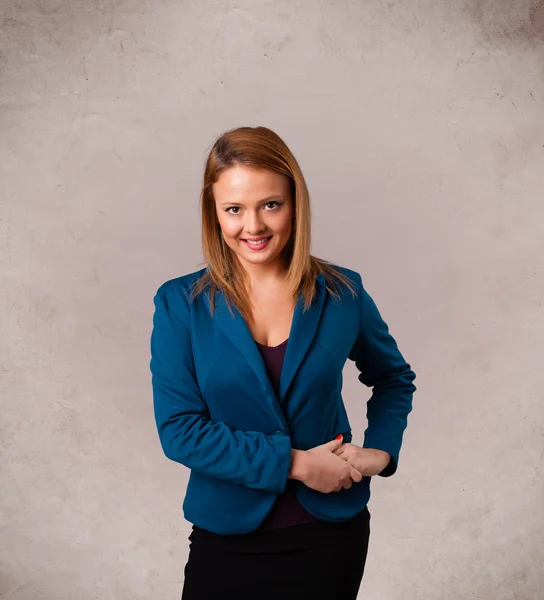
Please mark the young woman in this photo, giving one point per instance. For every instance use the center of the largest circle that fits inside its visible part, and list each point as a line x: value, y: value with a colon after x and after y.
x: 246, y: 360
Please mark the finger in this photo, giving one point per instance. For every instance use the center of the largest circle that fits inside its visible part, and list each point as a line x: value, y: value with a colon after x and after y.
x: 334, y: 444
x: 340, y: 451
x: 347, y: 484
x: 355, y: 474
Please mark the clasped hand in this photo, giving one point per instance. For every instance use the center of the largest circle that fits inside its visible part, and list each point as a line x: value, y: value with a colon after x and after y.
x: 334, y: 466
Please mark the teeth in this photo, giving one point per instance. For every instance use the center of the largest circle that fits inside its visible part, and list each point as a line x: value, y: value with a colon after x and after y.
x: 258, y: 242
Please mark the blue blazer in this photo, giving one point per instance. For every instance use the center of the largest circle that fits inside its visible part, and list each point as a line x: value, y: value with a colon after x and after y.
x: 217, y: 413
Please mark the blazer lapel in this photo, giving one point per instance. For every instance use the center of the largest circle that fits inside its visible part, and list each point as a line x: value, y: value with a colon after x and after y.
x: 237, y: 331
x: 303, y: 330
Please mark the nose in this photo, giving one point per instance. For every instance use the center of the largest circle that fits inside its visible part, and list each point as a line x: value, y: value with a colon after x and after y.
x: 253, y: 224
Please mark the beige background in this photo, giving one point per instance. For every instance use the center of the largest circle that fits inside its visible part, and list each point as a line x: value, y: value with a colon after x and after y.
x: 420, y: 128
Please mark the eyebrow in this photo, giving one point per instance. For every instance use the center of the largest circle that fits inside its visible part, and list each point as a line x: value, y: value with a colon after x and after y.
x: 263, y: 201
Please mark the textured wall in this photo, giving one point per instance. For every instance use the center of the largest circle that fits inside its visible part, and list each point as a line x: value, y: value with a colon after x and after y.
x: 420, y: 127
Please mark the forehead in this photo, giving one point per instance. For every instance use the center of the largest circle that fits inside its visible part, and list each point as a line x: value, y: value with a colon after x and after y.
x: 247, y: 184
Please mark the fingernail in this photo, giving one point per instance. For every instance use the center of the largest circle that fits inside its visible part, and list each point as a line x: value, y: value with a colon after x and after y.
x: 339, y: 436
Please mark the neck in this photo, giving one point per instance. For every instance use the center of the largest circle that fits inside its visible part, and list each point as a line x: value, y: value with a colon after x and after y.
x: 265, y: 274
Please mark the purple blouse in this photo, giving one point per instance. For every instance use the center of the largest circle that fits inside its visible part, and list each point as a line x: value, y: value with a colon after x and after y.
x: 287, y: 510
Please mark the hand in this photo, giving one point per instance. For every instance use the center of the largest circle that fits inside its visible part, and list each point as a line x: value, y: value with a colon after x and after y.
x: 368, y: 461
x: 321, y: 470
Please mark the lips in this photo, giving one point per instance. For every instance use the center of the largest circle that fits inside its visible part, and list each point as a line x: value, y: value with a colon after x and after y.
x: 261, y: 245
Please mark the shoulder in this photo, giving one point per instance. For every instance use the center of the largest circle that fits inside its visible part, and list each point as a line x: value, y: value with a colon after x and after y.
x: 350, y: 273
x: 335, y: 273
x: 182, y: 283
x: 175, y: 293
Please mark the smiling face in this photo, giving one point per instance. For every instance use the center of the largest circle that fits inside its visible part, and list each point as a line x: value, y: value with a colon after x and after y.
x: 252, y: 204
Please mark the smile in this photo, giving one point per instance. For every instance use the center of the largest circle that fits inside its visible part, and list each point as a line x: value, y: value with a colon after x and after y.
x: 258, y: 244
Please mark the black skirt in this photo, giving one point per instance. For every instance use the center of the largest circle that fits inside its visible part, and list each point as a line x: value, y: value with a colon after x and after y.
x: 320, y: 560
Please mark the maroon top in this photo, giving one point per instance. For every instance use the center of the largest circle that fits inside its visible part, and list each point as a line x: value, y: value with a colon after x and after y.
x: 287, y: 510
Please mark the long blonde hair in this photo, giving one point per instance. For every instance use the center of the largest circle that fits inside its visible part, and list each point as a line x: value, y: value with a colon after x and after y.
x: 259, y: 148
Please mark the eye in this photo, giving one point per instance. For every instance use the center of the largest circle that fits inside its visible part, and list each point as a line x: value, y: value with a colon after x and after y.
x: 274, y: 202
x: 231, y: 208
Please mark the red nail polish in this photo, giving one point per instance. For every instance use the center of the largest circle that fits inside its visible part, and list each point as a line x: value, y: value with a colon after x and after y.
x: 339, y: 436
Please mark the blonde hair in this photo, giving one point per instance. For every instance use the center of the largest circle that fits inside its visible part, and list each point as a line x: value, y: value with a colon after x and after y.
x: 259, y: 148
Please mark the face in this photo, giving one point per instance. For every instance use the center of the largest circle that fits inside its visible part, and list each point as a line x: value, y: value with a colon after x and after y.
x: 253, y: 204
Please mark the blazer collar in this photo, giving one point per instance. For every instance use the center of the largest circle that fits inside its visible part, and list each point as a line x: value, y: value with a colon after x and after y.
x: 303, y: 330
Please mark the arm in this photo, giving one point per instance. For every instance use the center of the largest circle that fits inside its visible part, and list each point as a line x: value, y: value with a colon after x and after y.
x: 187, y: 434
x: 383, y: 368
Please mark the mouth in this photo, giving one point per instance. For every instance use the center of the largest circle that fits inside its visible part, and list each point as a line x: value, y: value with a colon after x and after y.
x: 257, y: 243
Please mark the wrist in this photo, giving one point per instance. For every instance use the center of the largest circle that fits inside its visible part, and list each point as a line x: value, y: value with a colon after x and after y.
x: 298, y: 465
x: 382, y: 454
x: 382, y: 457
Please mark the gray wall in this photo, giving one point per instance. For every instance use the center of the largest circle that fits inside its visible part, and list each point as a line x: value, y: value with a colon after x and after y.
x: 420, y: 128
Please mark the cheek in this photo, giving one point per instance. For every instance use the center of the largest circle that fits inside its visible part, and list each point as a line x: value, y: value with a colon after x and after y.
x: 228, y: 226
x: 287, y: 219
x: 284, y: 225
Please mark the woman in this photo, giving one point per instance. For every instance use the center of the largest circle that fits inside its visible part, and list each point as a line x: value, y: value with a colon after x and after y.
x: 246, y: 359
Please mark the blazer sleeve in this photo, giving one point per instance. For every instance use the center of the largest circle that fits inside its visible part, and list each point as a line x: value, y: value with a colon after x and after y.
x: 187, y: 434
x: 383, y: 368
